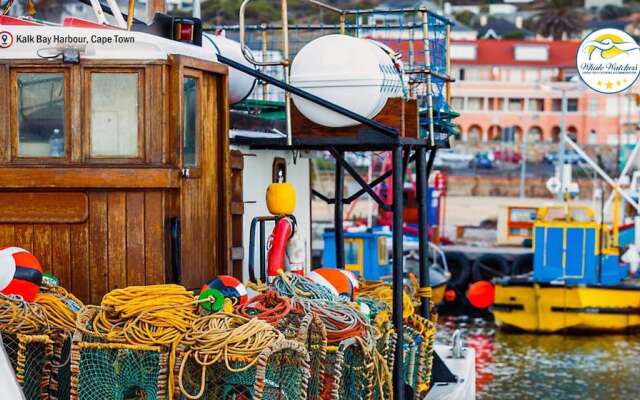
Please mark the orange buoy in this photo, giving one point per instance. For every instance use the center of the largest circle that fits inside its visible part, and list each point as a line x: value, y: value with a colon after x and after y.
x: 481, y: 294
x: 20, y: 273
x: 450, y: 295
x: 340, y: 282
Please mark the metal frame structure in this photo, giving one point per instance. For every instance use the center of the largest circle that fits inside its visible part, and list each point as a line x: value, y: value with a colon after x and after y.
x: 403, y: 150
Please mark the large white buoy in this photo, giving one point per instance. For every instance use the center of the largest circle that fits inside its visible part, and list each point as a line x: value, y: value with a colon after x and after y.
x: 357, y: 74
x: 240, y: 84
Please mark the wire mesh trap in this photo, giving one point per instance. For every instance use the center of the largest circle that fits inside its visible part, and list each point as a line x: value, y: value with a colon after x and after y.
x: 280, y: 373
x: 30, y: 357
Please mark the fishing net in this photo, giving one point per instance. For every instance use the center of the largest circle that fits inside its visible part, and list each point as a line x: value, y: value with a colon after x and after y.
x: 60, y: 385
x: 411, y: 356
x: 280, y: 373
x: 108, y: 370
x: 349, y: 371
x: 426, y: 329
x: 30, y: 357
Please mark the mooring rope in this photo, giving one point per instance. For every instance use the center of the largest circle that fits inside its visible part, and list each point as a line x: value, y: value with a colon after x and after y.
x: 290, y: 285
x: 19, y: 316
x: 226, y: 337
x: 340, y: 319
x: 268, y: 307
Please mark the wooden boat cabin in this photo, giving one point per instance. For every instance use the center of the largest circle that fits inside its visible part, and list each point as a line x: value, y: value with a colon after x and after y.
x: 113, y: 156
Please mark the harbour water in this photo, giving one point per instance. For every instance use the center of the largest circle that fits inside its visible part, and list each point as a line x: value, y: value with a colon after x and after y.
x: 525, y: 366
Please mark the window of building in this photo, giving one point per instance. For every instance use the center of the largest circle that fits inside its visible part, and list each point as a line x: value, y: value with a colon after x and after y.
x: 40, y: 108
x: 572, y: 105
x: 593, y: 104
x: 115, y: 119
x: 535, y: 105
x: 475, y: 104
x: 457, y: 103
x: 190, y: 121
x: 515, y: 104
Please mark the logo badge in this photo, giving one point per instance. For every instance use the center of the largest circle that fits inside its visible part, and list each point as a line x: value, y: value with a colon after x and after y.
x: 608, y: 60
x: 6, y: 39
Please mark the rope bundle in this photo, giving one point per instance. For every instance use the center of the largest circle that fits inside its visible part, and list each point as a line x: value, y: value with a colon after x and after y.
x: 290, y: 285
x: 383, y: 292
x: 268, y: 307
x: 22, y: 317
x: 54, y: 302
x: 226, y: 337
x: 340, y: 319
x: 149, y: 315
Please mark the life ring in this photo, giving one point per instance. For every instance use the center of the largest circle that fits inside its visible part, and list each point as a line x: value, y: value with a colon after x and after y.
x: 277, y: 246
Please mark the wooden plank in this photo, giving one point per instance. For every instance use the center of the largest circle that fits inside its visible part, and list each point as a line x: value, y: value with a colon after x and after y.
x: 154, y: 131
x: 154, y: 235
x: 5, y: 130
x: 23, y: 236
x: 411, y: 118
x: 6, y: 235
x: 135, y: 239
x: 65, y: 207
x: 237, y: 208
x: 80, y: 271
x: 61, y: 253
x: 392, y: 115
x: 98, y: 178
x: 98, y: 239
x: 117, y: 239
x: 42, y: 246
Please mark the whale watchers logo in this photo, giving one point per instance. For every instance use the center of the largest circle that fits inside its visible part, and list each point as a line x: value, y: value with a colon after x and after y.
x: 608, y: 60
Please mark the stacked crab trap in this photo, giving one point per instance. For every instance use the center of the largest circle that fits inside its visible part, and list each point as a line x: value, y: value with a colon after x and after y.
x: 292, y: 339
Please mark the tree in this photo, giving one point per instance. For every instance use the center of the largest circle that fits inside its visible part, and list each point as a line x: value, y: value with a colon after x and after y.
x: 557, y: 18
x: 466, y: 17
x: 610, y: 12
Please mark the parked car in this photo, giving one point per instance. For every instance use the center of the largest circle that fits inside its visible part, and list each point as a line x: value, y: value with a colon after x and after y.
x: 571, y: 156
x: 507, y: 155
x: 481, y: 160
x: 451, y: 158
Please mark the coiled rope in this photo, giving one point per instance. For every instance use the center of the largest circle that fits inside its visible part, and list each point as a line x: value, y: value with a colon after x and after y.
x: 144, y: 315
x: 340, y: 319
x: 60, y: 307
x: 18, y: 316
x: 383, y: 292
x: 290, y: 285
x: 268, y: 307
x: 226, y: 337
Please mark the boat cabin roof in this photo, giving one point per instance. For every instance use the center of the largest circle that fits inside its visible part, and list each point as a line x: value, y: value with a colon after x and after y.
x: 28, y: 39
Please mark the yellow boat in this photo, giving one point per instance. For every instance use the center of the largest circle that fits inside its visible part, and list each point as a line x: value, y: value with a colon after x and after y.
x: 578, y: 281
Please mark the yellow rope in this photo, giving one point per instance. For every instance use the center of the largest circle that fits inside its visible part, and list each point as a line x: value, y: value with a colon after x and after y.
x: 383, y: 292
x: 228, y: 337
x: 21, y: 317
x: 59, y: 315
x: 146, y: 315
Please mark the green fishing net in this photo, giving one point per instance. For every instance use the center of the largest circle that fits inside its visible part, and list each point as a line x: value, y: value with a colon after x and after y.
x: 120, y: 373
x: 33, y: 376
x: 60, y: 385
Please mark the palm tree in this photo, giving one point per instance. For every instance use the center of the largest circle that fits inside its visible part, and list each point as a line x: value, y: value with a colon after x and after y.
x: 558, y: 18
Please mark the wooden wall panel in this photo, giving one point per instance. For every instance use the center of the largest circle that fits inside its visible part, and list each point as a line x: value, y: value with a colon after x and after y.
x: 21, y: 207
x: 61, y: 254
x: 154, y: 238
x: 23, y: 236
x: 79, y: 249
x: 98, y: 240
x: 6, y: 235
x: 117, y: 240
x: 135, y: 239
x: 42, y: 244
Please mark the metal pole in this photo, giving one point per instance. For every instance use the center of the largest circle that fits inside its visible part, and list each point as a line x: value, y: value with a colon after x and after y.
x: 523, y: 163
x: 427, y: 65
x: 338, y: 216
x: 287, y: 63
x: 263, y: 247
x: 422, y: 185
x: 563, y: 137
x: 398, y: 322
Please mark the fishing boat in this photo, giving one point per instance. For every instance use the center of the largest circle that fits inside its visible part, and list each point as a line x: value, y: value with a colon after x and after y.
x: 128, y: 181
x: 580, y: 279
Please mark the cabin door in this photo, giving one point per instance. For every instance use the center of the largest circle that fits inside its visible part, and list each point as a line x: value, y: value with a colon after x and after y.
x: 199, y: 201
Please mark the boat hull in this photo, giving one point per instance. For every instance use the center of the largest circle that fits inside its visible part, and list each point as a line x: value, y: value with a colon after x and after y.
x: 551, y: 308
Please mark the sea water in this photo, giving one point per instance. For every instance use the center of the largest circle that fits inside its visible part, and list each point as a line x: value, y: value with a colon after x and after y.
x: 559, y: 367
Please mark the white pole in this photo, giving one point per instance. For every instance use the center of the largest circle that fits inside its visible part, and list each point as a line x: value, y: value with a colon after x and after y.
x: 602, y: 174
x: 627, y: 168
x: 117, y: 14
x: 563, y: 139
x: 197, y: 10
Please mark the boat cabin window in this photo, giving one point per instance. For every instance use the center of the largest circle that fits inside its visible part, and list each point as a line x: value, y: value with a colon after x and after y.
x: 40, y: 105
x: 115, y: 114
x: 190, y: 122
